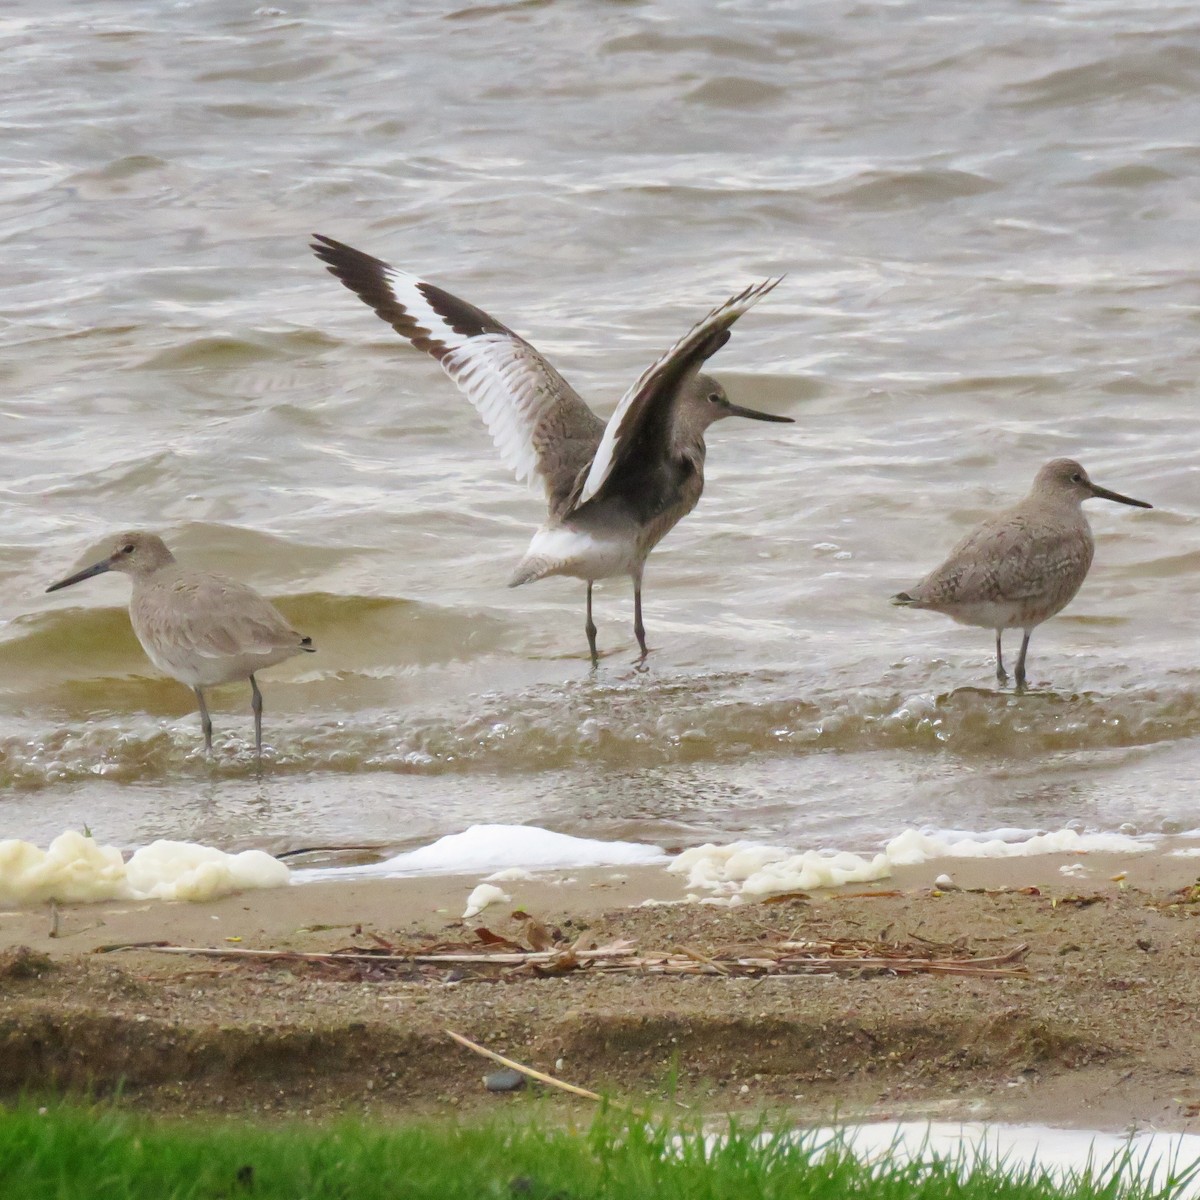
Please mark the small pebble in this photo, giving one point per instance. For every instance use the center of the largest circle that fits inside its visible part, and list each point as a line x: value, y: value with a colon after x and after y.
x: 504, y: 1080
x: 945, y: 883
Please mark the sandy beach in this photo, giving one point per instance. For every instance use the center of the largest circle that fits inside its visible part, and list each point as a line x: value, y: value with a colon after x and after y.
x: 1094, y: 1027
x: 985, y: 221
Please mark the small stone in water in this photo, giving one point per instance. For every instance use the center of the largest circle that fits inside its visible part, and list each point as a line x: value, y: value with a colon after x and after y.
x: 505, y: 1080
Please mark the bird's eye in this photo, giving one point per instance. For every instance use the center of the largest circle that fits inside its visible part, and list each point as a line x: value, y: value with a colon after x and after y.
x: 716, y: 398
x: 1077, y: 478
x: 127, y: 549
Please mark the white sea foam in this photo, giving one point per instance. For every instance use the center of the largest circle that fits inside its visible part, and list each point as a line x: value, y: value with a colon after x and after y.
x: 510, y: 875
x: 750, y: 869
x: 481, y: 897
x: 746, y: 868
x: 498, y: 848
x: 77, y: 869
x: 185, y: 871
x: 912, y: 847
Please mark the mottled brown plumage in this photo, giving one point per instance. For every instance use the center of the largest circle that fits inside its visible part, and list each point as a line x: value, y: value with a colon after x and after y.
x: 1024, y: 565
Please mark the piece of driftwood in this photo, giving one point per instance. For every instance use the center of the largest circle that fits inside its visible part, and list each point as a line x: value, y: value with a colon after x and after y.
x: 775, y: 955
x: 532, y: 1072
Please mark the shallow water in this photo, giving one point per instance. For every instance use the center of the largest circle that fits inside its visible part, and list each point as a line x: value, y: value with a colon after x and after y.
x: 1146, y: 1160
x: 986, y: 216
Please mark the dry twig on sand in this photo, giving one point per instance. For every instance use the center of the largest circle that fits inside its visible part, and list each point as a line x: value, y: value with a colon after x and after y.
x: 493, y: 957
x: 532, y: 1072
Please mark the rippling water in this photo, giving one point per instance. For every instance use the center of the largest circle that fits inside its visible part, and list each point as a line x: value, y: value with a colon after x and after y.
x: 987, y: 217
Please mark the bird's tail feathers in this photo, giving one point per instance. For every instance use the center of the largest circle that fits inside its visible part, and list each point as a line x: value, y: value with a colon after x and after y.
x: 531, y: 568
x: 904, y: 600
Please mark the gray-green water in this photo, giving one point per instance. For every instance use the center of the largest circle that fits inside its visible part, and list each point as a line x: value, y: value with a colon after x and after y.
x: 987, y: 214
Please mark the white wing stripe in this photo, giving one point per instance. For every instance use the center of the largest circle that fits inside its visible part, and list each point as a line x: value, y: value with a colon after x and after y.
x: 541, y: 427
x: 500, y: 376
x: 406, y: 290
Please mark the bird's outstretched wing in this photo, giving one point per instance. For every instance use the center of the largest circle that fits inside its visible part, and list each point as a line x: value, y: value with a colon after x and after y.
x: 540, y: 425
x: 652, y: 394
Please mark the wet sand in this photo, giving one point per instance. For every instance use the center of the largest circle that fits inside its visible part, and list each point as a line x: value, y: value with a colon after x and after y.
x: 1100, y: 1032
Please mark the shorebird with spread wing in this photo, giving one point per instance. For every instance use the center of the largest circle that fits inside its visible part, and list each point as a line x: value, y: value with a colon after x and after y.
x: 613, y: 490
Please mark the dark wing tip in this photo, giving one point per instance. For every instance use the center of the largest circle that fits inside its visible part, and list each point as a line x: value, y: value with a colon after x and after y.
x: 371, y: 280
x: 306, y: 644
x: 342, y: 259
x: 463, y: 317
x: 368, y: 278
x: 326, y: 248
x: 756, y: 291
x: 902, y: 598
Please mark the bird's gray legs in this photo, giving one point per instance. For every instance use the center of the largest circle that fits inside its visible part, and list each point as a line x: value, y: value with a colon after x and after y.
x: 639, y: 630
x: 256, y: 704
x: 1020, y: 676
x: 1001, y: 673
x: 205, y: 721
x: 591, y: 629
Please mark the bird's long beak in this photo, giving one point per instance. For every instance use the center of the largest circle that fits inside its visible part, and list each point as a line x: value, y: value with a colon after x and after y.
x: 1104, y: 494
x: 105, y: 564
x: 736, y: 410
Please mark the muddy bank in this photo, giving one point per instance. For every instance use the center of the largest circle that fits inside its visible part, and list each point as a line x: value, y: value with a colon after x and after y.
x: 1098, y: 1027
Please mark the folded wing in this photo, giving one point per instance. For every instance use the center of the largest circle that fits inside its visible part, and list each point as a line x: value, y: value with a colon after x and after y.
x: 1011, y: 559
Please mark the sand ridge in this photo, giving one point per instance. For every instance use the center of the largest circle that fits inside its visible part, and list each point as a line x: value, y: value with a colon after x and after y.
x: 1100, y: 1030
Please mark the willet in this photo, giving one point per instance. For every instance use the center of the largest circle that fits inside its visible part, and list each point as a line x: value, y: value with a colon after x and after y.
x: 1023, y: 566
x: 613, y: 490
x: 201, y: 629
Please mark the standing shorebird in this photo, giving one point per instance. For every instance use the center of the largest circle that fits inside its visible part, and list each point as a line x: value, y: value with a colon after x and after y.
x: 1023, y: 566
x: 613, y: 490
x: 201, y: 629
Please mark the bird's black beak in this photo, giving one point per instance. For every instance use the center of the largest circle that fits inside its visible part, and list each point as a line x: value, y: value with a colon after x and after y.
x: 736, y: 410
x: 105, y: 564
x: 1104, y: 494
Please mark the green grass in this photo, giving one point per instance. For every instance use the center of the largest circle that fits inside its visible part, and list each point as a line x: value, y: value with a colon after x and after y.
x: 64, y: 1153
